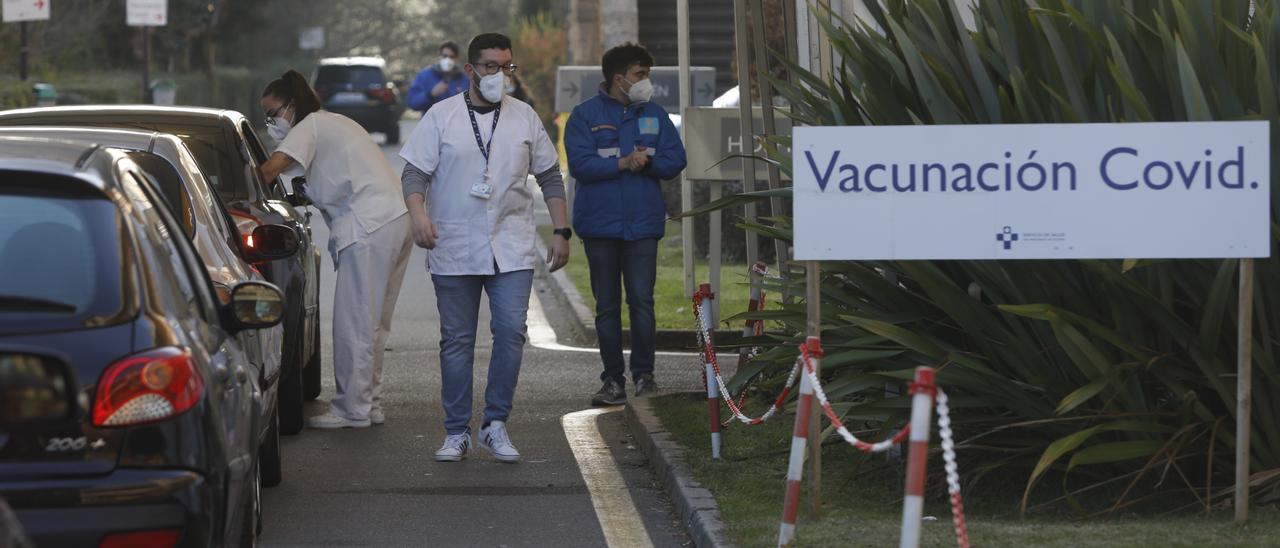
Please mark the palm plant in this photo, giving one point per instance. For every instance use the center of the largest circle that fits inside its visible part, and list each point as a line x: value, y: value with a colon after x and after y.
x: 1114, y: 373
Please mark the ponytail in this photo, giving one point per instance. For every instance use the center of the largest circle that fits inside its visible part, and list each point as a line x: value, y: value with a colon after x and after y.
x: 292, y: 88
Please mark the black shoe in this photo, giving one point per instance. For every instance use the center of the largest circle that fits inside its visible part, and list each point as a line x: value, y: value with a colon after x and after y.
x: 611, y: 393
x: 645, y: 385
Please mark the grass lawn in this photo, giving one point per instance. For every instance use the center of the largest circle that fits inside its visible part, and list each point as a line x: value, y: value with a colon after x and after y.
x: 864, y: 509
x: 672, y: 307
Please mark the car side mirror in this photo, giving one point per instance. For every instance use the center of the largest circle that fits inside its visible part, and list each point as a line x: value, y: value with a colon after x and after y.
x: 299, y: 196
x: 254, y: 305
x: 33, y: 389
x: 270, y: 243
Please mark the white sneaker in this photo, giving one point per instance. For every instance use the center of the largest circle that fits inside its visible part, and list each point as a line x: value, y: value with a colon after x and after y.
x: 331, y: 421
x: 454, y: 449
x: 494, y: 438
x: 377, y: 417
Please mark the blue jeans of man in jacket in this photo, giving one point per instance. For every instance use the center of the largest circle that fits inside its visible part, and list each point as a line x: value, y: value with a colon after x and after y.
x: 615, y: 264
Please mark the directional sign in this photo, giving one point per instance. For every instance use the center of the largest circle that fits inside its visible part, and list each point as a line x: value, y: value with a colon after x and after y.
x: 575, y: 84
x: 147, y: 13
x: 311, y: 38
x: 26, y: 10
x: 713, y: 134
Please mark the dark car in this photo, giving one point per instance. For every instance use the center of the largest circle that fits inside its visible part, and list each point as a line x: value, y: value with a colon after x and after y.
x: 357, y: 87
x: 227, y: 258
x: 229, y: 152
x: 141, y: 413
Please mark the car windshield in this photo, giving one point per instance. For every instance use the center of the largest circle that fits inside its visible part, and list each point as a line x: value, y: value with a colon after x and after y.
x: 360, y: 77
x: 60, y: 256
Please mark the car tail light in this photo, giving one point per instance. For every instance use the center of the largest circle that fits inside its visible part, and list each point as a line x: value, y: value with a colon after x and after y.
x: 165, y: 538
x: 383, y: 94
x: 245, y: 223
x: 152, y: 386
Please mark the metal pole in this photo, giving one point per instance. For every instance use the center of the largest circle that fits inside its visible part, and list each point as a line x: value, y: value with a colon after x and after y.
x: 813, y: 304
x: 146, y: 65
x: 770, y: 128
x: 714, y: 246
x: 742, y: 43
x: 24, y: 49
x: 1244, y: 390
x: 686, y: 190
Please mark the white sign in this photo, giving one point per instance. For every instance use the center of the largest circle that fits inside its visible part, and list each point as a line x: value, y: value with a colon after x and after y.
x: 147, y: 13
x: 25, y: 10
x: 311, y: 38
x: 1033, y: 191
x: 713, y: 140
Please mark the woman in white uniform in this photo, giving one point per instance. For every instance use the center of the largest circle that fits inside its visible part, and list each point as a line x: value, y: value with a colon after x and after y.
x: 359, y: 195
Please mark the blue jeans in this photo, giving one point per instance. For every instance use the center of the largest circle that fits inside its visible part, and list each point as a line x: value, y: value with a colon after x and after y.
x: 614, y: 264
x: 458, y: 302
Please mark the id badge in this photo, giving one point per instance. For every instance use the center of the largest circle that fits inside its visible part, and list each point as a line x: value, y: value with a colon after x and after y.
x: 482, y: 191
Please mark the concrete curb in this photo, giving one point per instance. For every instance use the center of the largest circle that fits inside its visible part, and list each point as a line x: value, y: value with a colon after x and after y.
x: 694, y: 504
x: 582, y: 321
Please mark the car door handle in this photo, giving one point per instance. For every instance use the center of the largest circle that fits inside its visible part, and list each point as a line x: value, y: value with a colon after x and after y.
x: 242, y: 376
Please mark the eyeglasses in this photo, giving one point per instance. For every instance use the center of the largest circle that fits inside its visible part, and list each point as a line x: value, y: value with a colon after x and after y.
x: 492, y: 67
x: 271, y: 114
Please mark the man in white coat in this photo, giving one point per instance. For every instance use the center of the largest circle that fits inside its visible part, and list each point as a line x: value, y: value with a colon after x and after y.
x: 467, y: 188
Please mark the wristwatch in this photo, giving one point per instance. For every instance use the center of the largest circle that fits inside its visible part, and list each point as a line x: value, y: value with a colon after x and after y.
x: 566, y: 232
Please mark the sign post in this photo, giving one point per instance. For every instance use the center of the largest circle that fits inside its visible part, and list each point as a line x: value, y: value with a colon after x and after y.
x: 146, y: 14
x: 21, y: 11
x: 1244, y: 390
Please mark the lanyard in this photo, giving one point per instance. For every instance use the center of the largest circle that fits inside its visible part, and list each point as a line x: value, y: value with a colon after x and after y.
x: 484, y: 147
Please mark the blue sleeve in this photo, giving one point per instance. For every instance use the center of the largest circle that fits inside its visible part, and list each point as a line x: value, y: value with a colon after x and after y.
x: 669, y: 160
x: 420, y: 92
x: 585, y: 163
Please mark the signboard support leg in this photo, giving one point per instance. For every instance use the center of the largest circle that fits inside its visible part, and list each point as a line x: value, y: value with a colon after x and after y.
x: 25, y: 50
x: 715, y: 243
x: 686, y: 190
x: 1244, y: 390
x: 813, y: 295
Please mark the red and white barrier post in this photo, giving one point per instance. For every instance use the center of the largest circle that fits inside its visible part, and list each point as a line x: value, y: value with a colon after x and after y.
x: 799, y: 441
x: 923, y: 392
x: 709, y: 373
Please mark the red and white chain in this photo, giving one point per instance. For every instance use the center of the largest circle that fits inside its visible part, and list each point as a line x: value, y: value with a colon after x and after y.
x: 953, y: 472
x: 848, y: 436
x: 709, y: 353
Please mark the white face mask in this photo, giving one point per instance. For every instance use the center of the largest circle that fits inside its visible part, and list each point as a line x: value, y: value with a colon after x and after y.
x: 447, y: 64
x: 280, y: 129
x: 493, y: 87
x: 641, y: 91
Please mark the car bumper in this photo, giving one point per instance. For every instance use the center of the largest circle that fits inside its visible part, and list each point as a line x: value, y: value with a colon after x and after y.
x: 80, y: 511
x: 370, y: 118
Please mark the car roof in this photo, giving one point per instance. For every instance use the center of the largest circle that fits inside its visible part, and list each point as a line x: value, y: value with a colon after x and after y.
x: 354, y: 61
x: 190, y: 115
x: 87, y: 162
x: 122, y: 138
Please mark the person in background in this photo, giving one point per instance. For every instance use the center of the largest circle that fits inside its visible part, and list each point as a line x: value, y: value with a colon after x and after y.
x: 353, y: 185
x: 466, y: 184
x: 621, y: 146
x: 438, y: 82
x: 516, y: 90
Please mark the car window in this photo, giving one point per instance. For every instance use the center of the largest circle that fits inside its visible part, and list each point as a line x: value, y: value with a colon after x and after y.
x: 169, y: 277
x: 186, y: 258
x: 60, y: 256
x: 166, y: 178
x: 259, y: 154
x: 359, y: 76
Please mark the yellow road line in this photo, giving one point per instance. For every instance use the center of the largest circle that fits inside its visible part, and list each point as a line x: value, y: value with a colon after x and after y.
x: 610, y: 496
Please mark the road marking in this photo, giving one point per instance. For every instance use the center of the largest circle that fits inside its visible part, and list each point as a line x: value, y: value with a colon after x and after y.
x: 542, y: 335
x: 610, y: 496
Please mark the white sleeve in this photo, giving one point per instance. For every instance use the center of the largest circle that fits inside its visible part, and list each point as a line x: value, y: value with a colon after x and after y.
x: 422, y: 149
x: 300, y: 143
x: 543, y: 155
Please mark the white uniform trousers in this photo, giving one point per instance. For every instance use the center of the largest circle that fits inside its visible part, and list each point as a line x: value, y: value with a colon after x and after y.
x: 370, y: 273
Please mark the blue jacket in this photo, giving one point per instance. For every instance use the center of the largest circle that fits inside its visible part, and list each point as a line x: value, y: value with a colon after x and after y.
x: 609, y: 203
x: 420, y: 92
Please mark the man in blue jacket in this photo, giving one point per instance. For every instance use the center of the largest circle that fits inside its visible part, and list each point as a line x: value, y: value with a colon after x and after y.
x: 438, y: 82
x: 621, y: 146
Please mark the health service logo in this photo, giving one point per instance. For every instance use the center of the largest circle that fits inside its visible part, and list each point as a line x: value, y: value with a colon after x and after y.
x: 1007, y: 237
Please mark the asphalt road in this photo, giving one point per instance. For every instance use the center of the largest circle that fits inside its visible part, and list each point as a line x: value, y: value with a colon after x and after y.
x: 380, y: 487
